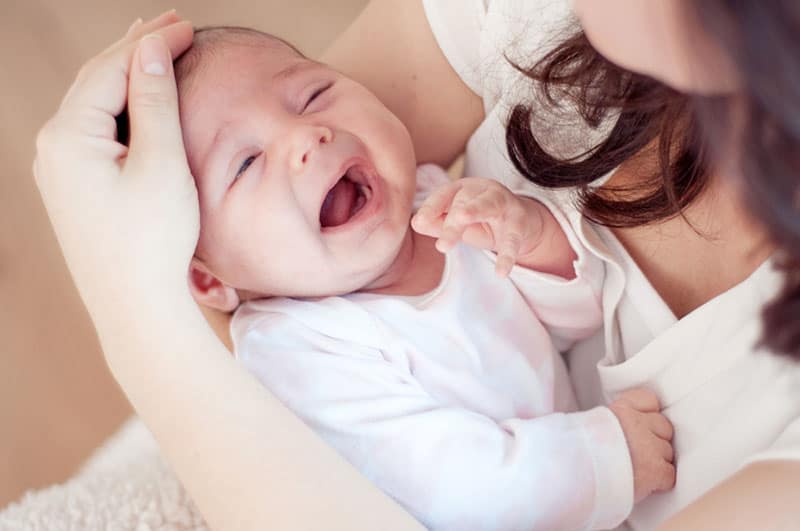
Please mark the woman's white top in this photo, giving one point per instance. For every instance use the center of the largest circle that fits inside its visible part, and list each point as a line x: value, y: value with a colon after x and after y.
x: 731, y: 402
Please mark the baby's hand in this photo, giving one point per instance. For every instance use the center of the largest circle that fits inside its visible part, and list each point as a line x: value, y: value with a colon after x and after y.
x: 485, y: 214
x: 649, y: 436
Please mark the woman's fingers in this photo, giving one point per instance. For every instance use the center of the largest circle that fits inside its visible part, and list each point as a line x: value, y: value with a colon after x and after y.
x: 153, y: 107
x: 139, y: 28
x: 137, y: 31
x: 136, y: 23
x: 102, y: 83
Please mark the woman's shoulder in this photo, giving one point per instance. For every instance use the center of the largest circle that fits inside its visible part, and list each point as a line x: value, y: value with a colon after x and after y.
x: 482, y: 39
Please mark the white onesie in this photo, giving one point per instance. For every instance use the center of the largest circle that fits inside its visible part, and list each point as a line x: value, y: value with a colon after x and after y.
x: 457, y: 402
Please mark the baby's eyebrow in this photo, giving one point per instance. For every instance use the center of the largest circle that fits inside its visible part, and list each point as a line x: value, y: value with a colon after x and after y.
x: 221, y: 138
x: 295, y: 68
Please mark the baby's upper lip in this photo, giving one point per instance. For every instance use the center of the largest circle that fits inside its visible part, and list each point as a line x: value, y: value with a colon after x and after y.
x: 350, y: 162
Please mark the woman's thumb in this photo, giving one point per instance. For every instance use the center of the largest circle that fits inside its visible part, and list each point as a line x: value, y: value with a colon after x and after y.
x: 153, y: 106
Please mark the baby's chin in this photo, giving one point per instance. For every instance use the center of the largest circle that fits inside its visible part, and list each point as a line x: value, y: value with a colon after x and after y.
x: 383, y: 269
x: 324, y: 286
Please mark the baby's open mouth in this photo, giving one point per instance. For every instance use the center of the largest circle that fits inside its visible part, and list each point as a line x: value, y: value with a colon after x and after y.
x: 347, y: 197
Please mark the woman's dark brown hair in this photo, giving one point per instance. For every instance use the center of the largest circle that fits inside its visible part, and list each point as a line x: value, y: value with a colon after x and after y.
x: 762, y: 40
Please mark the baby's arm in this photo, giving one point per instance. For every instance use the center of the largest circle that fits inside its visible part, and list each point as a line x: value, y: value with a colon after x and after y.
x: 452, y: 467
x: 485, y: 214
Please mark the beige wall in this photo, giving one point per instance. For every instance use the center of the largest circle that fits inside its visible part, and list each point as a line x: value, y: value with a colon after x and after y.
x: 57, y: 401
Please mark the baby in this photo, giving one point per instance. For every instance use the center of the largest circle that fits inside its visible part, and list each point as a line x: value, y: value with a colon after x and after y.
x: 436, y: 375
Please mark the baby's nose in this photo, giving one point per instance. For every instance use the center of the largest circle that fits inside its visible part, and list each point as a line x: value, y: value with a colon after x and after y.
x: 306, y: 144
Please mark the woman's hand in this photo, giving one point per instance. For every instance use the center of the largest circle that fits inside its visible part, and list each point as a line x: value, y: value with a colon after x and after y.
x: 126, y: 218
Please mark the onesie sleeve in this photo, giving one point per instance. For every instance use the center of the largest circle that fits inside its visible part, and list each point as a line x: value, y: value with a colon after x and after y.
x: 451, y: 467
x: 571, y: 310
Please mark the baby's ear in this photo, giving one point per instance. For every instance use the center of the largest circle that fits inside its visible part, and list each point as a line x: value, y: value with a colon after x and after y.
x: 208, y: 290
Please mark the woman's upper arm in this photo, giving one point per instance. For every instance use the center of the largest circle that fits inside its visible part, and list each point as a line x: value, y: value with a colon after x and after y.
x: 762, y: 496
x: 391, y: 50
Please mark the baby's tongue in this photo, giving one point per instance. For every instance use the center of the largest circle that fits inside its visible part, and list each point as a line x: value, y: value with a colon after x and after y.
x: 338, y: 204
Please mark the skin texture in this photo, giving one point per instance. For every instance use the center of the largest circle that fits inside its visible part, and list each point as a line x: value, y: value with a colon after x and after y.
x: 414, y: 80
x: 268, y: 133
x: 657, y: 39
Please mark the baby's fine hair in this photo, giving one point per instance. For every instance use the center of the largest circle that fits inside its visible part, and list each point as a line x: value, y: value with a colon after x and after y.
x: 209, y: 40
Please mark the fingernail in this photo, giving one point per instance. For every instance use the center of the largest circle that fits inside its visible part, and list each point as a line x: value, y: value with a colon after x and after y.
x: 167, y: 13
x: 136, y: 24
x: 153, y: 55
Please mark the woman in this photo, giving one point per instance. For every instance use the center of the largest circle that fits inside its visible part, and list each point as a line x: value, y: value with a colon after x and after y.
x: 687, y: 268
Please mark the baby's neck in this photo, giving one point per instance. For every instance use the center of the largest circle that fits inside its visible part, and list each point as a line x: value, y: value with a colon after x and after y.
x: 416, y: 270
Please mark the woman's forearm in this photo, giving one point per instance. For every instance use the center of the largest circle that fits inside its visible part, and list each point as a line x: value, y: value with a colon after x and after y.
x: 392, y: 51
x: 247, y: 462
x: 763, y: 496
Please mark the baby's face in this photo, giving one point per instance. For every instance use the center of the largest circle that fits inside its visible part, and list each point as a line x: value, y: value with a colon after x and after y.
x: 305, y: 179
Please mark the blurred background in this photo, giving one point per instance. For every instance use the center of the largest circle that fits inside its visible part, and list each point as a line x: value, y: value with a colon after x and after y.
x: 57, y: 399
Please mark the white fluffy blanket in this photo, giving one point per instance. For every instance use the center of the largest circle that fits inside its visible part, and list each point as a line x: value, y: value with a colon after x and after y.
x: 125, y: 486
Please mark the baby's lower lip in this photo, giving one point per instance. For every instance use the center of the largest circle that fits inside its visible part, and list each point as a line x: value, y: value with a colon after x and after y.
x: 343, y: 202
x: 370, y: 180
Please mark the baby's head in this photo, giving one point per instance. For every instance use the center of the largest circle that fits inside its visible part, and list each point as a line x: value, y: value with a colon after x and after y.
x: 305, y: 179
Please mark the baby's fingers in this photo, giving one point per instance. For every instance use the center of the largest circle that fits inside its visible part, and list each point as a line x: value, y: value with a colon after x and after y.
x: 429, y: 218
x: 459, y: 217
x: 486, y: 207
x: 641, y: 399
x: 665, y: 450
x: 667, y: 476
x: 510, y: 232
x: 452, y: 232
x: 508, y: 246
x: 661, y: 426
